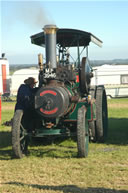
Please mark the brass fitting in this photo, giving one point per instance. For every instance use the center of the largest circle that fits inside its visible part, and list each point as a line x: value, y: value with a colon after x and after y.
x: 50, y: 29
x: 40, y: 61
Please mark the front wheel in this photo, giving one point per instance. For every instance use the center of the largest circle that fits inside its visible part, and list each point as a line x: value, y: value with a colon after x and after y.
x: 19, y: 135
x: 82, y: 133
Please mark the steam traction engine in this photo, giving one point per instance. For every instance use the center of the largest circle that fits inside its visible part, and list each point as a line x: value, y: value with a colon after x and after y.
x: 65, y: 103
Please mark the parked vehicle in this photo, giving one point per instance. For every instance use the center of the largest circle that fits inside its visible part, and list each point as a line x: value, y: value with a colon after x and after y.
x: 65, y: 104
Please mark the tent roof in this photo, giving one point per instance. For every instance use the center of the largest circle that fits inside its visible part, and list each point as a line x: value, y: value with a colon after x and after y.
x: 24, y: 71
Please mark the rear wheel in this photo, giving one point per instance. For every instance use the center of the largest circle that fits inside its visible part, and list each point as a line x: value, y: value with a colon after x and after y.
x: 82, y: 133
x: 19, y: 135
x: 101, y: 114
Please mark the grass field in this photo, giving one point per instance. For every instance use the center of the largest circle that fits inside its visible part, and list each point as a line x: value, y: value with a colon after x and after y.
x: 55, y: 168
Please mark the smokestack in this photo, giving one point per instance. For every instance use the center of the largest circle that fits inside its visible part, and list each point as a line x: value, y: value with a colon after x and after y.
x: 50, y: 45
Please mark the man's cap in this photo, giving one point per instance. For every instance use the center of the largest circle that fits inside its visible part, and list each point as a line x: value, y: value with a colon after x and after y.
x: 30, y: 81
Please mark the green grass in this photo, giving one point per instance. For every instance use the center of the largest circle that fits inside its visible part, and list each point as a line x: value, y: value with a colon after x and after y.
x: 55, y: 168
x: 118, y: 101
x: 118, y: 121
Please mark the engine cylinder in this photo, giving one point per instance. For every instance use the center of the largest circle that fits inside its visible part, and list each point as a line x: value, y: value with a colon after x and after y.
x: 52, y: 102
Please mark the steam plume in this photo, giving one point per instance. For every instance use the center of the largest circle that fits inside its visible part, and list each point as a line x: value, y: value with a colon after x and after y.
x: 34, y: 13
x: 31, y: 13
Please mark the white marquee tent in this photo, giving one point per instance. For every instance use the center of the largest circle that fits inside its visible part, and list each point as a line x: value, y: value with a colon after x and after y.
x: 19, y: 76
x: 113, y: 77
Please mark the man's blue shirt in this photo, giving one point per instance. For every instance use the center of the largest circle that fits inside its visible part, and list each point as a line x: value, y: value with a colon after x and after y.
x: 24, y: 97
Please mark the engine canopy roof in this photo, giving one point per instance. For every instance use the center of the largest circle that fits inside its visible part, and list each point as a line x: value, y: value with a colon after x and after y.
x: 68, y: 38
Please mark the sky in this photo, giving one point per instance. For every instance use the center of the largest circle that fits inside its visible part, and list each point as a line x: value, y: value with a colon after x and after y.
x: 107, y: 20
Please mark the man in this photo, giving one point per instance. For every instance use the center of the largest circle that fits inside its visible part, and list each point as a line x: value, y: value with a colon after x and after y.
x: 25, y: 102
x: 25, y: 94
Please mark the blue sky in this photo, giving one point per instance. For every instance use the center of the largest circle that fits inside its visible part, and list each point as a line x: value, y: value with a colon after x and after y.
x: 105, y: 19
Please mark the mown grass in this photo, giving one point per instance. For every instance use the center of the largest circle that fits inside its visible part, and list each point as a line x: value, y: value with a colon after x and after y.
x: 55, y: 168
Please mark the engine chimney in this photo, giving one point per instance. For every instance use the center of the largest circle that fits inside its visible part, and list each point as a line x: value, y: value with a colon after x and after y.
x: 50, y: 45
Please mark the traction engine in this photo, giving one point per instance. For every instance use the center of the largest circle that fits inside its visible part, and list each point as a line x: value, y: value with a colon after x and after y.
x: 65, y: 103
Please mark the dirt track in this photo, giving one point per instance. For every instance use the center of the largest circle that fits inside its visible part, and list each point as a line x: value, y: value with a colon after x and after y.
x: 7, y: 107
x: 118, y: 106
x: 109, y: 106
